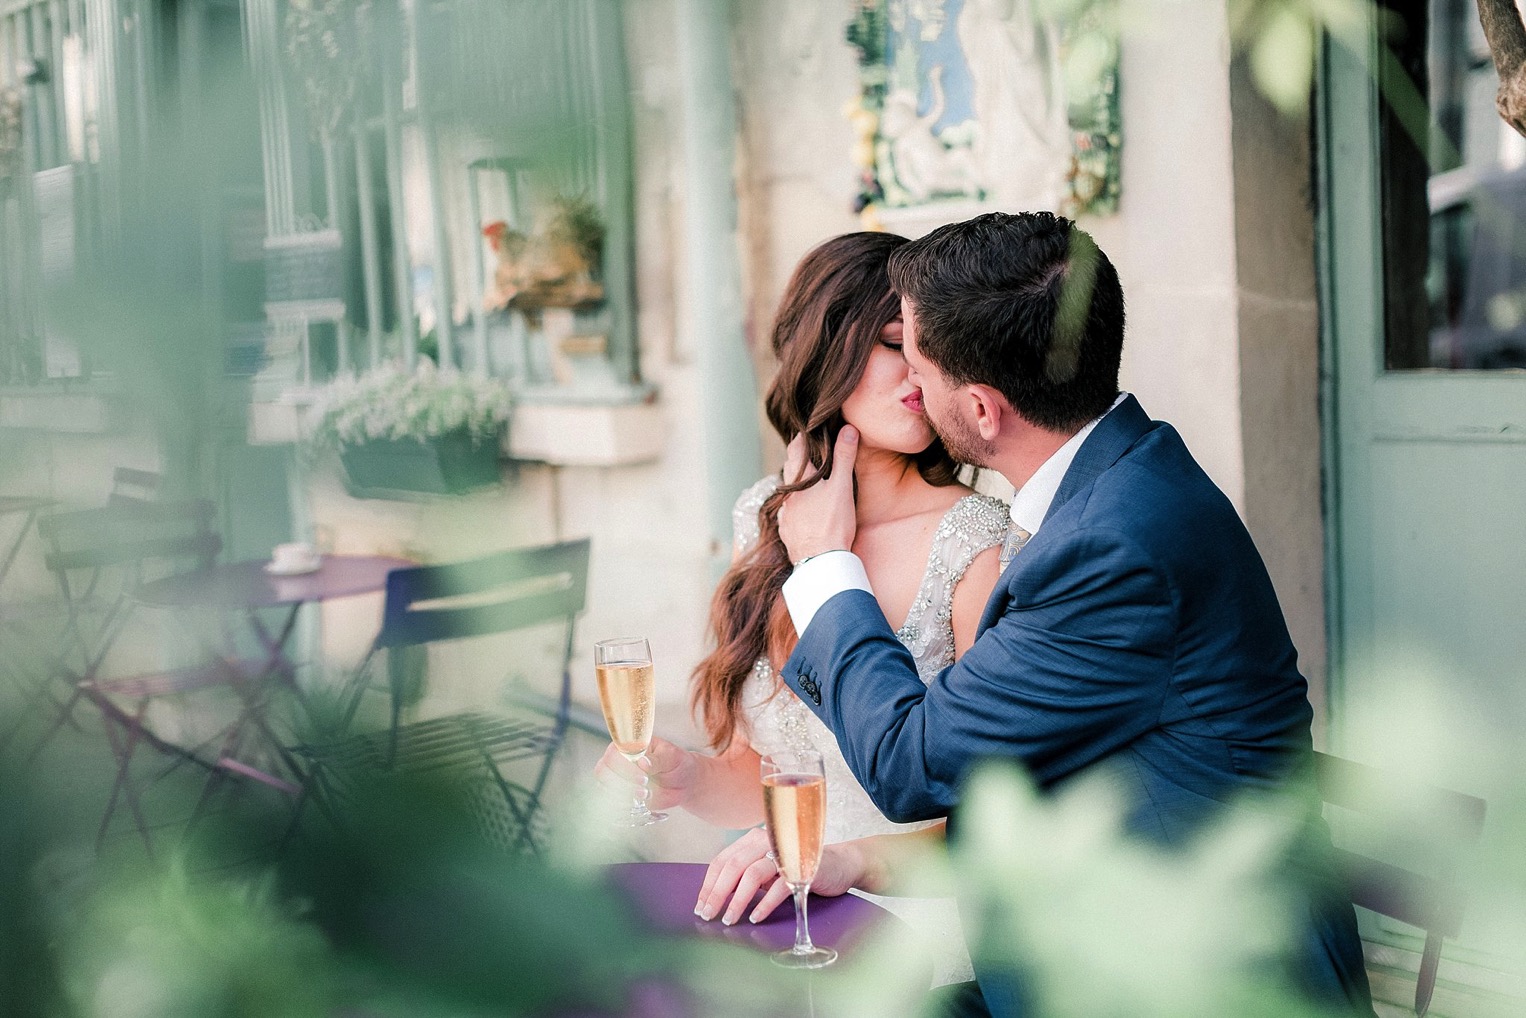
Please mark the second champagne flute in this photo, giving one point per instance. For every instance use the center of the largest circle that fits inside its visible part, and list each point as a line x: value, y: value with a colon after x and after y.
x: 795, y: 807
x: 626, y: 692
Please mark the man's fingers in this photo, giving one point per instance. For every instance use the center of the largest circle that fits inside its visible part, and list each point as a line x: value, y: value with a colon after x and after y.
x: 794, y: 459
x: 845, y: 455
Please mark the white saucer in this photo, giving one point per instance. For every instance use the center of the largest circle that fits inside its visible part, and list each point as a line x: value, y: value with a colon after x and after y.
x: 298, y: 570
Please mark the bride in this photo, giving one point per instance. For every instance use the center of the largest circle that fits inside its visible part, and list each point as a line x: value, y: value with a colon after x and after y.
x: 930, y: 547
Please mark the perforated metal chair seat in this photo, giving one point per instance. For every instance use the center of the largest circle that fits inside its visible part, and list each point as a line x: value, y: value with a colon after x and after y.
x: 454, y: 741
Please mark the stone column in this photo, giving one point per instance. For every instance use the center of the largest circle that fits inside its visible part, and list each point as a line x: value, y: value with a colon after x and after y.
x: 733, y: 455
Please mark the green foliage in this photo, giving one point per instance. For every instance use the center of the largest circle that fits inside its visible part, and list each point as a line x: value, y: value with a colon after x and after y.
x: 171, y: 944
x: 10, y: 132
x: 1279, y: 38
x: 577, y: 219
x: 1099, y: 924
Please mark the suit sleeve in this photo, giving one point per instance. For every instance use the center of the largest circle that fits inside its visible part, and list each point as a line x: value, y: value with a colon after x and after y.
x: 1076, y: 665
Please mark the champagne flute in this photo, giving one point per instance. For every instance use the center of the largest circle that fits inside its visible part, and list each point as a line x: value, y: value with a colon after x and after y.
x: 795, y: 807
x: 626, y: 682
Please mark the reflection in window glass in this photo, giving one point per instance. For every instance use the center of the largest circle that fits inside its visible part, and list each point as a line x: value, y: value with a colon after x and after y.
x: 1454, y: 201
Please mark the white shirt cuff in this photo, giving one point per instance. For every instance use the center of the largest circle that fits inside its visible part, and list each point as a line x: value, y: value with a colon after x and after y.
x: 819, y: 579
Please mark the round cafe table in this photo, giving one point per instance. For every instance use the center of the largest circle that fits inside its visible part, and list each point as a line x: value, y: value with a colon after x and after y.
x: 664, y: 894
x: 249, y: 587
x: 246, y: 585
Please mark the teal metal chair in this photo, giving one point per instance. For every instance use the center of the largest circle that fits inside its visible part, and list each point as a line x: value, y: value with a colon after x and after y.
x: 99, y: 557
x: 1433, y: 903
x: 497, y: 593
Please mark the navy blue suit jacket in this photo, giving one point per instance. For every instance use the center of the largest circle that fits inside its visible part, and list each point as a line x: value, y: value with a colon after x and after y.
x: 1137, y: 629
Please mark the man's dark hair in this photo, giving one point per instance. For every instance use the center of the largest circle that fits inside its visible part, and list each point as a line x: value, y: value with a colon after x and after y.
x: 1027, y: 304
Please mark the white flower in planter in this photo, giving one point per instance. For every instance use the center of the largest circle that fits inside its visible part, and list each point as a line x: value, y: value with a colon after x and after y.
x: 390, y: 403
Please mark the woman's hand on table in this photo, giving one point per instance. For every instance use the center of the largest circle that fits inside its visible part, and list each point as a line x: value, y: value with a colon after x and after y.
x: 670, y: 773
x: 741, y: 869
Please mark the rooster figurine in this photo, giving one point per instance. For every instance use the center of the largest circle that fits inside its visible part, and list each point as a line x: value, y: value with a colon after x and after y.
x: 555, y: 266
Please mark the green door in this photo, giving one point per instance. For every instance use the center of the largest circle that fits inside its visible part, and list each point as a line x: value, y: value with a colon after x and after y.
x: 1424, y: 290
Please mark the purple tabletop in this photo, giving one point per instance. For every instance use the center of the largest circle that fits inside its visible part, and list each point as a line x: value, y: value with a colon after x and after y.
x: 665, y: 892
x: 248, y: 585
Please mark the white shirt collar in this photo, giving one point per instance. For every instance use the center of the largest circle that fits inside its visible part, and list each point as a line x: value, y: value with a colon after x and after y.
x: 1031, y: 502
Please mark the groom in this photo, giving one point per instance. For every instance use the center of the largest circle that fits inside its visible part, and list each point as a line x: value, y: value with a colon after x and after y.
x: 1135, y: 628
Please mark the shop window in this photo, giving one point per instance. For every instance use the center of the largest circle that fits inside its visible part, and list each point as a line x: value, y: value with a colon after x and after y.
x: 1454, y: 196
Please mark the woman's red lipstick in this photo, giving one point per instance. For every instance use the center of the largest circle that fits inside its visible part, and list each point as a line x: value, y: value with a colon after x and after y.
x: 914, y: 402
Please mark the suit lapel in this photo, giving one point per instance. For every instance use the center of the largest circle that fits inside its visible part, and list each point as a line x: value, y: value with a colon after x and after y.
x: 1113, y: 436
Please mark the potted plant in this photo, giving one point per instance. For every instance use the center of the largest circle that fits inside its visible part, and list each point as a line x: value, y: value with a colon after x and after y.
x: 424, y: 431
x: 10, y: 135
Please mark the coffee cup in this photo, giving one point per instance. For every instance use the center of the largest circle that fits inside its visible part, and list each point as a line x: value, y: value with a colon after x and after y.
x: 297, y: 555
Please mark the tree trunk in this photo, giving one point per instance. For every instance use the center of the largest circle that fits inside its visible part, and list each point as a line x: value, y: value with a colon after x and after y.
x: 1507, y: 44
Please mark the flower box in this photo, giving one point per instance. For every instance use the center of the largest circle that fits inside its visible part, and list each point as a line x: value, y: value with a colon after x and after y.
x: 412, y: 432
x: 448, y: 464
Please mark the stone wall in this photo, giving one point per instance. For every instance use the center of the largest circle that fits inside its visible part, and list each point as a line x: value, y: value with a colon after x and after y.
x: 1213, y: 243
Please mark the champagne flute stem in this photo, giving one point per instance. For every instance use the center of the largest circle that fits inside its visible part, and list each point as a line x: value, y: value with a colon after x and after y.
x: 643, y: 791
x: 803, y: 943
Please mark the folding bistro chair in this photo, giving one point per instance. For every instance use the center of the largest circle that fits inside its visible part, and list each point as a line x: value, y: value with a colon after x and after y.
x: 1435, y: 904
x: 497, y: 593
x: 99, y: 557
x: 134, y: 539
x: 130, y: 486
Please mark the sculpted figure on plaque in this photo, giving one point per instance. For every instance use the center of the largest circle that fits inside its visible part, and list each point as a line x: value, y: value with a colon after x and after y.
x: 1022, y: 150
x: 925, y: 165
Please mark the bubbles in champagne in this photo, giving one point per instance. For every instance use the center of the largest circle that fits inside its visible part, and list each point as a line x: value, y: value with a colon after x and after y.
x: 795, y: 806
x: 625, y: 692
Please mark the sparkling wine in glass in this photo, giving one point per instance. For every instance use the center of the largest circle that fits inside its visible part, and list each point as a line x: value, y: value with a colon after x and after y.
x: 795, y: 808
x: 626, y: 691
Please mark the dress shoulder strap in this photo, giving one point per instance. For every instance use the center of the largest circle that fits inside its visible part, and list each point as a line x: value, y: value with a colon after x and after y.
x: 744, y: 515
x: 971, y: 525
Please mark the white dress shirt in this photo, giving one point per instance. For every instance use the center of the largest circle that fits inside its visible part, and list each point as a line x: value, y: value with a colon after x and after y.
x: 822, y: 577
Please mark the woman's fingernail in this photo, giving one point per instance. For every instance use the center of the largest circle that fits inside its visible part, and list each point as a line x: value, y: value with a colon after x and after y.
x: 729, y: 920
x: 755, y: 917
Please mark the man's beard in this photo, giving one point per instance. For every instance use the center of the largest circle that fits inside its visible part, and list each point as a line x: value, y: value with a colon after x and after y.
x: 963, y: 442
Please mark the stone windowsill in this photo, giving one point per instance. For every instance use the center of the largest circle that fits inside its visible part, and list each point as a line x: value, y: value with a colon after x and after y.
x: 82, y: 409
x: 542, y: 429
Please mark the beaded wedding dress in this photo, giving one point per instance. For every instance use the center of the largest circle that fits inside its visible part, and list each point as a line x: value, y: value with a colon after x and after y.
x: 776, y: 720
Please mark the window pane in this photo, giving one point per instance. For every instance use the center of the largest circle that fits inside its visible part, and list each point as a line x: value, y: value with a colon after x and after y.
x: 1454, y: 197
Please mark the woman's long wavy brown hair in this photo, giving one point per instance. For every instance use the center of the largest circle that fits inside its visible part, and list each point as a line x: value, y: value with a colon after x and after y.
x: 829, y: 321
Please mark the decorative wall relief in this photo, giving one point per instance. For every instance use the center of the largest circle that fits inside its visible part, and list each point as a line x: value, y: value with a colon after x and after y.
x: 1008, y: 103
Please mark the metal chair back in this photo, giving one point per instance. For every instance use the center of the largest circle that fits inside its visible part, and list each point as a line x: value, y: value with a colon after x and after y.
x: 126, y: 541
x: 133, y: 487
x: 1433, y: 903
x: 496, y: 593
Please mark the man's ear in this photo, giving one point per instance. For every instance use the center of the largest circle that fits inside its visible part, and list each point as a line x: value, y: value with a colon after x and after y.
x: 989, y: 408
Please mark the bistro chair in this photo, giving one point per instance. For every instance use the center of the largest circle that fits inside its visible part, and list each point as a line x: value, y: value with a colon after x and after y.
x: 99, y: 557
x: 136, y: 540
x: 130, y: 486
x: 1435, y: 903
x: 498, y: 593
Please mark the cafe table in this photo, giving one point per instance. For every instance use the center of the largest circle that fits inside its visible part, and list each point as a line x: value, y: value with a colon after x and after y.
x: 27, y: 507
x: 251, y: 587
x: 663, y: 896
